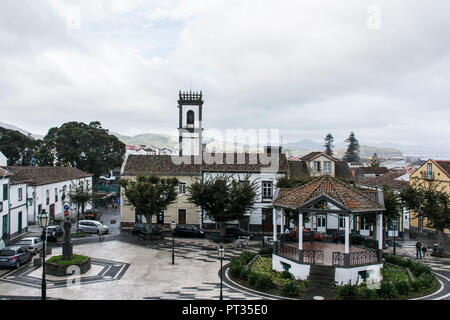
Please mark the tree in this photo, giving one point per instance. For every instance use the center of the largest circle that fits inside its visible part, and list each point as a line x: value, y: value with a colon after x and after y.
x: 292, y: 181
x: 375, y: 161
x: 329, y: 144
x: 149, y: 195
x: 222, y: 198
x: 87, y: 147
x: 430, y: 203
x: 394, y: 207
x: 17, y: 147
x: 79, y: 196
x: 352, y: 153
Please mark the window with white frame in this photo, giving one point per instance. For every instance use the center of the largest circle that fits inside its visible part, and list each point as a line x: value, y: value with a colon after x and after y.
x: 1, y: 206
x: 182, y: 188
x: 327, y: 167
x: 341, y: 222
x: 56, y: 194
x: 429, y: 171
x: 321, y: 221
x: 20, y: 194
x: 365, y: 225
x: 317, y: 166
x: 267, y: 189
x: 48, y: 197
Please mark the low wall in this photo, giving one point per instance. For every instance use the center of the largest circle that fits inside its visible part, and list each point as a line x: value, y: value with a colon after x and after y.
x: 299, y: 271
x: 350, y: 275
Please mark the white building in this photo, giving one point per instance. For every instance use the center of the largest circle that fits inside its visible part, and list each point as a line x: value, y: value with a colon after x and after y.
x: 4, y: 203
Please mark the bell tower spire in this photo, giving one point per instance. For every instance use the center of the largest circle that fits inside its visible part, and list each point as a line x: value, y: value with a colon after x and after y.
x: 190, y: 105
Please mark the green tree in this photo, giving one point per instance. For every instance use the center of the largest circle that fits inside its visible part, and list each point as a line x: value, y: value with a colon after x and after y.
x: 223, y: 198
x: 375, y: 161
x: 329, y: 144
x: 17, y: 147
x: 293, y: 181
x: 352, y: 153
x: 87, y: 147
x: 80, y: 196
x: 431, y: 203
x: 149, y: 195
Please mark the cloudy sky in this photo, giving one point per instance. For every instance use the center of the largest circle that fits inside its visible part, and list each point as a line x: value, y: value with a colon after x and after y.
x: 379, y: 68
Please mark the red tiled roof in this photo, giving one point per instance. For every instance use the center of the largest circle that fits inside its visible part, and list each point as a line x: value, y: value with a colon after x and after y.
x: 45, y: 175
x: 387, y: 180
x: 444, y: 166
x: 312, y: 155
x: 353, y: 199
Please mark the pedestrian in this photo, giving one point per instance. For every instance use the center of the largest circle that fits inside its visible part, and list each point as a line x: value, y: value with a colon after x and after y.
x: 2, y: 243
x: 418, y: 249
x: 286, y: 234
x: 424, y: 250
x: 100, y: 231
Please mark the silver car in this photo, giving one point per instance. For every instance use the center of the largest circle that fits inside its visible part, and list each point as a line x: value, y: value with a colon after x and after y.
x: 33, y: 244
x: 92, y: 226
x: 14, y: 256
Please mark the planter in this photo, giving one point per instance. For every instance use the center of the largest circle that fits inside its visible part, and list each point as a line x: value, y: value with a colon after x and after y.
x: 60, y: 269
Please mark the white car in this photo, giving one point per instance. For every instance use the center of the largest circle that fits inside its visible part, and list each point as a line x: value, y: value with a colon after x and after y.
x: 92, y: 226
x: 34, y: 244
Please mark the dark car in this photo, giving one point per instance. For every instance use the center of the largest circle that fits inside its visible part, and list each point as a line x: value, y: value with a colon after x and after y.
x: 236, y: 232
x: 309, y: 235
x: 141, y: 229
x: 189, y: 231
x: 14, y: 256
x: 53, y: 232
x: 355, y: 237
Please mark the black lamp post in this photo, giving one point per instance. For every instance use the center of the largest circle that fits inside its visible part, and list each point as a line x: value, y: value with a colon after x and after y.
x: 221, y: 252
x: 395, y: 231
x: 43, y: 223
x: 172, y: 226
x: 263, y: 225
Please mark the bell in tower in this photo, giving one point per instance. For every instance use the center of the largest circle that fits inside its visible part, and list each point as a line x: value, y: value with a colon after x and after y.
x: 190, y: 129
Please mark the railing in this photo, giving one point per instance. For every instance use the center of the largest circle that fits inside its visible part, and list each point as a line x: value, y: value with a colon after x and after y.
x: 362, y: 258
x: 289, y: 252
x: 312, y: 257
x: 338, y: 259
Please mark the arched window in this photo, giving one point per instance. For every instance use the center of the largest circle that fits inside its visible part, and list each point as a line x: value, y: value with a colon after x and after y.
x: 190, y: 117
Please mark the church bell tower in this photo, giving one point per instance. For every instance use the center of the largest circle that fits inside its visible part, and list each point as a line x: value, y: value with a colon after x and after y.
x: 190, y: 129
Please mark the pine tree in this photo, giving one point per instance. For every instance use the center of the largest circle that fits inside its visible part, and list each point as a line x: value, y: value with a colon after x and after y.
x: 375, y: 161
x: 352, y: 153
x: 329, y: 144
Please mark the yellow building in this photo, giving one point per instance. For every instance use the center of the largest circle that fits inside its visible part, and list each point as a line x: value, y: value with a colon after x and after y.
x: 435, y: 173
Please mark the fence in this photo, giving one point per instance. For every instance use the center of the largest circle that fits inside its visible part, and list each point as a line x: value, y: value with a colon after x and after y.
x: 360, y: 258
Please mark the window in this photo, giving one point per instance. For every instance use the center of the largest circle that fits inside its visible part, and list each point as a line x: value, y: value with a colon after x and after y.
x: 56, y: 194
x: 429, y: 172
x: 48, y: 197
x: 365, y: 225
x: 321, y: 221
x: 5, y: 192
x: 327, y: 167
x: 20, y: 194
x: 1, y: 206
x: 317, y: 167
x: 182, y: 188
x: 267, y: 189
x: 341, y: 222
x: 190, y: 117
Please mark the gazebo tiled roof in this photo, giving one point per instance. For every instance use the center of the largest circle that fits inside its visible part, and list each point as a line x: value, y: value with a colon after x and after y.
x: 348, y: 197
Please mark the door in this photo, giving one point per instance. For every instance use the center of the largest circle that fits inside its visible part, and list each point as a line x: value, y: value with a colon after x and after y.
x: 181, y: 216
x: 268, y: 221
x: 20, y: 222
x: 5, y: 227
x: 321, y: 223
x: 52, y: 212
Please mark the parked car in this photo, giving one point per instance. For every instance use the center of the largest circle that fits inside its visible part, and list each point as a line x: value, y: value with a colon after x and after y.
x: 91, y: 226
x: 186, y: 230
x: 141, y: 229
x: 53, y: 232
x: 14, y: 256
x: 355, y: 237
x: 236, y: 232
x: 91, y: 215
x: 309, y: 235
x: 34, y: 244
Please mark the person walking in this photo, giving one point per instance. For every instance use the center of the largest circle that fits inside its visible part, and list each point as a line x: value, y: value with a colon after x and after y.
x: 2, y: 243
x: 100, y: 231
x: 424, y: 250
x: 418, y: 249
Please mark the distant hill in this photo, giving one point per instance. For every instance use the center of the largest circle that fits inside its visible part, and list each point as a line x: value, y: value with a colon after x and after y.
x: 154, y: 139
x: 12, y: 127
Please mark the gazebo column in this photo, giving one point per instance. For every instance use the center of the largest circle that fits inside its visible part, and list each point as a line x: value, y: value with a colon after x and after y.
x: 300, y: 237
x: 380, y: 236
x: 347, y: 241
x: 282, y: 226
x: 274, y: 223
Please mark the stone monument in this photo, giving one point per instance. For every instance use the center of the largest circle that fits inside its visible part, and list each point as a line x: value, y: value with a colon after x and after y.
x: 67, y: 249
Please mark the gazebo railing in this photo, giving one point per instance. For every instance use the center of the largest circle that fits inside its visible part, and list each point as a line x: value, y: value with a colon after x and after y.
x: 338, y: 259
x: 359, y: 258
x: 313, y: 256
x: 289, y: 252
x: 309, y: 256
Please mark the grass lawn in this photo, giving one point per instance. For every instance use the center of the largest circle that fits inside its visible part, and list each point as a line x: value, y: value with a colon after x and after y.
x: 76, y: 259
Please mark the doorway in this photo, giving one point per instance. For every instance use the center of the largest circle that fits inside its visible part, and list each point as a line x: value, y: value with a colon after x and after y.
x: 181, y: 216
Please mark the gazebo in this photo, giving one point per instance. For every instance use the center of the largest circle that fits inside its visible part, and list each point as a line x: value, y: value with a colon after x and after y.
x: 327, y: 196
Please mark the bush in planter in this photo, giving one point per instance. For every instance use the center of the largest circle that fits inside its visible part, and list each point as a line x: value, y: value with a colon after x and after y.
x: 290, y: 289
x: 244, y: 273
x: 387, y: 290
x: 266, y: 250
x: 365, y: 293
x: 286, y: 275
x: 263, y: 282
x: 403, y: 287
x: 252, y: 278
x: 246, y: 256
x: 348, y: 292
x: 235, y: 270
x: 425, y: 280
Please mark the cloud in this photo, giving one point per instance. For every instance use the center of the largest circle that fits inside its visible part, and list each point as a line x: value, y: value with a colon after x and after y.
x: 306, y: 67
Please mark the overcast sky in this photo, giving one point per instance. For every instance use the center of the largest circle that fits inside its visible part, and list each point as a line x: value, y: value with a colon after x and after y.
x: 379, y: 68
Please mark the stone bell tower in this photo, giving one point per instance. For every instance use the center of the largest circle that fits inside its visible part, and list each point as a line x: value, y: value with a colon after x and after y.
x: 190, y: 128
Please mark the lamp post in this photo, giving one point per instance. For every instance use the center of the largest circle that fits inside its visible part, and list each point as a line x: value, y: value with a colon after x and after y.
x: 395, y: 231
x: 43, y: 223
x: 263, y: 225
x: 172, y: 226
x: 221, y: 253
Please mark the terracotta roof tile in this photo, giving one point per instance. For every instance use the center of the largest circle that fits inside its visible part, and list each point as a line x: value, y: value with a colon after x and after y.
x: 44, y: 175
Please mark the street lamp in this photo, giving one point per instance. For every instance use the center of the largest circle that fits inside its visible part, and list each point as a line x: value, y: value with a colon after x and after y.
x: 395, y: 231
x: 221, y: 253
x: 172, y: 226
x: 43, y: 223
x: 263, y: 225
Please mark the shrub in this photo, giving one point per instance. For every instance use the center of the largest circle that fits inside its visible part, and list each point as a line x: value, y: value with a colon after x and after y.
x: 290, y: 289
x: 252, y: 278
x: 244, y: 273
x: 266, y: 250
x: 387, y: 290
x: 348, y: 292
x: 425, y: 280
x: 263, y: 282
x: 403, y: 287
x: 365, y: 293
x: 246, y: 256
x: 235, y: 270
x: 286, y: 275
